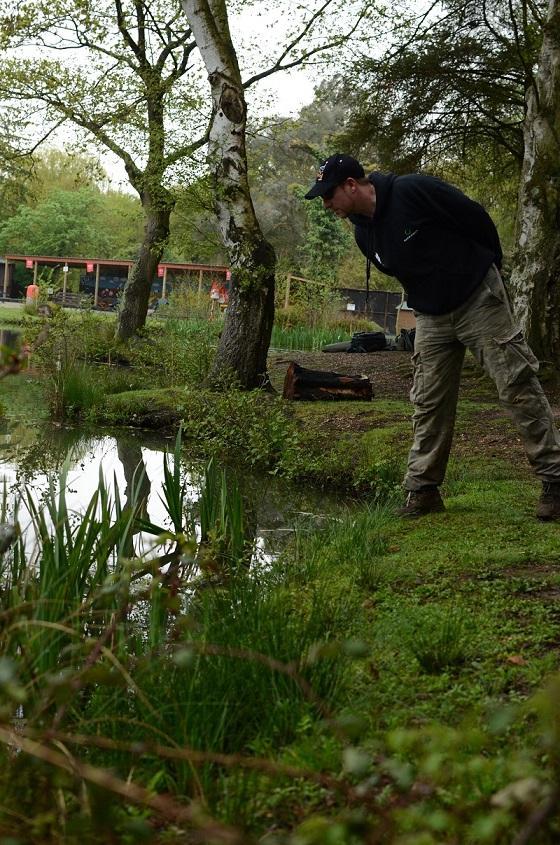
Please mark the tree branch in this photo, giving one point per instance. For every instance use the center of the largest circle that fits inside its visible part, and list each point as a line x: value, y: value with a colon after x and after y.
x: 278, y: 66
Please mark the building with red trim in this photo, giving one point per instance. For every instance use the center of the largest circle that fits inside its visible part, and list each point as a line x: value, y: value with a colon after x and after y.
x: 102, y: 278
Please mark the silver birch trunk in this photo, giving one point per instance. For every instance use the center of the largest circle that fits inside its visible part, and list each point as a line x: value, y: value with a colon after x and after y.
x: 245, y: 339
x: 535, y: 282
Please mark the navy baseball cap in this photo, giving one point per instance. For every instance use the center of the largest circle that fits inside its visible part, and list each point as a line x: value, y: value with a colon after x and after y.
x: 334, y: 171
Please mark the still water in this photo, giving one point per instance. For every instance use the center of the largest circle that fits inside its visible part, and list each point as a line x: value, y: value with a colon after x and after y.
x: 33, y: 451
x: 31, y: 457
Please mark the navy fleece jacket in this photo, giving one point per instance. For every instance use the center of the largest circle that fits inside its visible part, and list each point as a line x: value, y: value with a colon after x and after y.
x: 436, y: 241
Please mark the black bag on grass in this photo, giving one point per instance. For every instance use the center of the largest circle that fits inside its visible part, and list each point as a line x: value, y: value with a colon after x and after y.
x: 368, y: 342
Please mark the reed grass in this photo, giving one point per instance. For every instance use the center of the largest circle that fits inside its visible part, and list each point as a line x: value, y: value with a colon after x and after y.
x: 306, y: 338
x: 135, y: 651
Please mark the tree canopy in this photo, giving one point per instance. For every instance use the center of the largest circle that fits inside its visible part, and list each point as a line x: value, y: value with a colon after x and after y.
x: 453, y: 79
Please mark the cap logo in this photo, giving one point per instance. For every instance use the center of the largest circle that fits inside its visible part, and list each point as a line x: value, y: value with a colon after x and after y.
x: 320, y: 173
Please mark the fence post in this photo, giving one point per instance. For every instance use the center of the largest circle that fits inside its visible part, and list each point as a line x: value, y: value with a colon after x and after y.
x: 96, y: 292
x: 287, y: 296
x: 199, y: 295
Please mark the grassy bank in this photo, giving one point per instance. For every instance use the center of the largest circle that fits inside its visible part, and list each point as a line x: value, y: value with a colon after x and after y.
x: 377, y: 683
x: 383, y: 681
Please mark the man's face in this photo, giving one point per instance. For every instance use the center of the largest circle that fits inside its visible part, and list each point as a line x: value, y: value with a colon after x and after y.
x: 341, y: 200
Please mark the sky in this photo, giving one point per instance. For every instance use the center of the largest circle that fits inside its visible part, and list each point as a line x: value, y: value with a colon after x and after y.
x: 258, y: 32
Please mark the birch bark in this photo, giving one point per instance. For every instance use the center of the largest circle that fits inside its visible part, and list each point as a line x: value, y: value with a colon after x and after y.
x: 246, y: 335
x: 535, y: 282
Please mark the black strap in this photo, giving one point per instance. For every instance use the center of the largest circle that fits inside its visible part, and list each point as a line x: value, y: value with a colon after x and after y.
x: 368, y: 259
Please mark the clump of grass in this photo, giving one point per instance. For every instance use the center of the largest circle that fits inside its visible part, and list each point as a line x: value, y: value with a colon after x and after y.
x: 306, y: 337
x: 347, y: 545
x: 436, y: 637
x: 222, y: 529
x: 76, y: 391
x: 371, y: 573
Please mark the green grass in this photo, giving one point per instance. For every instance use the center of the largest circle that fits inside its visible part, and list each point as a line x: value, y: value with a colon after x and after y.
x: 305, y: 337
x: 11, y: 314
x: 459, y: 612
x: 427, y: 641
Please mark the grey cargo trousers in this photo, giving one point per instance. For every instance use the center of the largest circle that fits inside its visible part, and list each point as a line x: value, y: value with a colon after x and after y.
x: 485, y: 325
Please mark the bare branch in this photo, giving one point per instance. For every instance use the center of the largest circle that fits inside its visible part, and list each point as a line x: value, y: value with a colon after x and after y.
x: 278, y: 66
x: 127, y: 37
x: 165, y: 806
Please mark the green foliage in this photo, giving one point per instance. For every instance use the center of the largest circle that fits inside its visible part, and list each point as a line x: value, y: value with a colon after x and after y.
x: 173, y: 351
x: 349, y: 542
x: 450, y: 623
x: 327, y: 242
x: 78, y: 390
x: 182, y: 680
x: 66, y: 223
x: 69, y: 344
x: 437, y: 638
x: 222, y: 520
x: 193, y: 233
x: 64, y: 170
x: 299, y: 315
x: 74, y: 558
x: 63, y: 344
x: 303, y: 337
x: 455, y: 85
x: 245, y: 426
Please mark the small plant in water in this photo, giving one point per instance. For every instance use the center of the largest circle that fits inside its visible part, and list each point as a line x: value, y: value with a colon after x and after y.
x: 436, y: 637
x: 222, y: 531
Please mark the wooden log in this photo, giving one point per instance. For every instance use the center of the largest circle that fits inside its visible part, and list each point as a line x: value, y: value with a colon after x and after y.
x: 312, y: 385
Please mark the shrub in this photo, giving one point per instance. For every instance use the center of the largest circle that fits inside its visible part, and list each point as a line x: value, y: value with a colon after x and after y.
x: 247, y: 426
x: 173, y: 352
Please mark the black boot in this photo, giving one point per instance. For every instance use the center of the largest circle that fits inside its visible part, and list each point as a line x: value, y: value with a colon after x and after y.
x: 421, y: 502
x: 548, y: 507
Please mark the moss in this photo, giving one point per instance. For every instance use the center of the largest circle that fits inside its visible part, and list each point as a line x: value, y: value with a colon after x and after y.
x: 157, y: 409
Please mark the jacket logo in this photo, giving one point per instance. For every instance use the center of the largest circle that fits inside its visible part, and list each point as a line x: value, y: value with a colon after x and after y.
x: 409, y: 233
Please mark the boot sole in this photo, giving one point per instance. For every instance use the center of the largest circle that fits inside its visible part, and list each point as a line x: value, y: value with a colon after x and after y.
x: 418, y: 514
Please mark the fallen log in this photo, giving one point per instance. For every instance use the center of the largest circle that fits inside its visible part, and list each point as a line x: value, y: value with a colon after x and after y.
x: 311, y: 385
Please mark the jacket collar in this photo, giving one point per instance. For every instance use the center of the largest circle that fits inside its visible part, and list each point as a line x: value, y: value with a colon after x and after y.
x: 382, y: 182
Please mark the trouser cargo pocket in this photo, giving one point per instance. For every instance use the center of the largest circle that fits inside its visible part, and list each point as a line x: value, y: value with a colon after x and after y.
x: 516, y: 363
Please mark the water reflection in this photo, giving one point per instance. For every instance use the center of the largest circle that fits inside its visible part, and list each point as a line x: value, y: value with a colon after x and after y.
x: 31, y: 455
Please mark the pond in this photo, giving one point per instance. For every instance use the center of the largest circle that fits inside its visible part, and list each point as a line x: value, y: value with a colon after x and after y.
x: 31, y: 456
x: 34, y: 449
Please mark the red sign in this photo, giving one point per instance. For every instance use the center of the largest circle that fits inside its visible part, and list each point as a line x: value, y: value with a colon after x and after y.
x: 228, y: 275
x: 160, y: 272
x: 29, y: 264
x: 89, y: 267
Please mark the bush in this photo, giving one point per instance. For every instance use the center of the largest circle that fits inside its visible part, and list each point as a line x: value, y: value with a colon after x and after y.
x: 173, y: 352
x: 251, y: 427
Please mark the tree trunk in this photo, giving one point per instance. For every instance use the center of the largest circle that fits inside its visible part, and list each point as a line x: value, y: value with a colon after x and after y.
x: 248, y: 325
x: 136, y: 295
x: 535, y: 279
